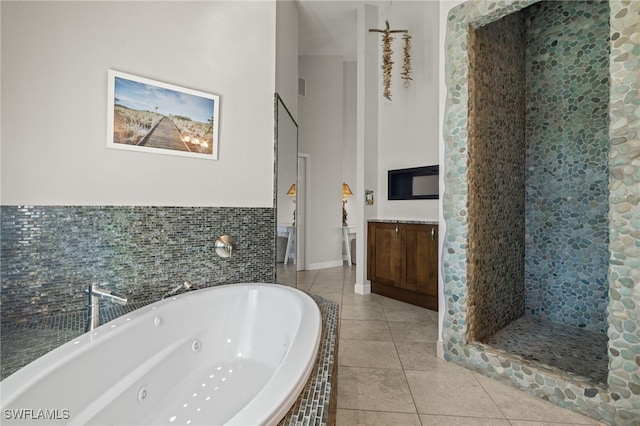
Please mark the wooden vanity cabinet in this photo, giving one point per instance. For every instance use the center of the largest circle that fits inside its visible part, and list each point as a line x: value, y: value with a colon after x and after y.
x: 402, y: 262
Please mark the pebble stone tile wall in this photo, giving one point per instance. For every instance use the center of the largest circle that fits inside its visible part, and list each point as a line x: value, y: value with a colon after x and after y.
x: 495, y: 174
x: 618, y: 402
x: 567, y: 248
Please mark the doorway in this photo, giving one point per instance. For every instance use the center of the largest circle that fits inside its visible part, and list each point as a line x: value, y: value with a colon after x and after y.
x: 302, y: 202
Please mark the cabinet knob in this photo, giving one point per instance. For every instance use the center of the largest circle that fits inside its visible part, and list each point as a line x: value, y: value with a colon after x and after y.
x: 433, y: 233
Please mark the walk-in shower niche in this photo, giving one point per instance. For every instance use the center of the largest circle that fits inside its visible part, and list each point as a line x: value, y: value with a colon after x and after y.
x: 538, y: 176
x: 541, y: 200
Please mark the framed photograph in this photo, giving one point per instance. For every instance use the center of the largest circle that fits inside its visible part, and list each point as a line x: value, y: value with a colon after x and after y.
x: 150, y: 116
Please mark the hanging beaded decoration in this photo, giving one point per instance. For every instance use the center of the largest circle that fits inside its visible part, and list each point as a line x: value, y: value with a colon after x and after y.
x: 406, y: 66
x: 387, y: 63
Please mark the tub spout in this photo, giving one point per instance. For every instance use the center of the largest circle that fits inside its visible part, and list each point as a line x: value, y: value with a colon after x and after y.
x: 186, y: 286
x: 191, y: 286
x: 96, y: 293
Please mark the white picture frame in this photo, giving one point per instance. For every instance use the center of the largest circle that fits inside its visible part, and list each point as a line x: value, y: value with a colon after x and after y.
x: 150, y: 116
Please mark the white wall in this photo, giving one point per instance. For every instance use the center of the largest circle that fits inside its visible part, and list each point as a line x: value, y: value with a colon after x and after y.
x: 55, y: 57
x: 287, y: 88
x: 320, y: 117
x: 408, y: 124
x: 367, y: 134
x: 353, y: 206
x: 287, y: 54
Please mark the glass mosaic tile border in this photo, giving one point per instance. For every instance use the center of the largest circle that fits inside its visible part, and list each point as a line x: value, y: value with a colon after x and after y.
x: 313, y: 405
x: 50, y: 254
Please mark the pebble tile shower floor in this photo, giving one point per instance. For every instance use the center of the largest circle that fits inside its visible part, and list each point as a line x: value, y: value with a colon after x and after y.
x: 571, y: 349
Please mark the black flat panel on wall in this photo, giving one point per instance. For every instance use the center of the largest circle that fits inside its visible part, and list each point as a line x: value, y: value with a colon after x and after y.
x: 416, y: 183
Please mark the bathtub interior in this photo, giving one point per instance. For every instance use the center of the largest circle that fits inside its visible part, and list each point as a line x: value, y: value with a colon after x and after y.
x: 194, y: 359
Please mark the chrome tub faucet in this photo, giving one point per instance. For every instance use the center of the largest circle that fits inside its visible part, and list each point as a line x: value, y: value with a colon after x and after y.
x: 93, y: 310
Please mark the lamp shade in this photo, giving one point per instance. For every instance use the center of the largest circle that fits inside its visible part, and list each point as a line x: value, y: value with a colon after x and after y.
x: 346, y: 191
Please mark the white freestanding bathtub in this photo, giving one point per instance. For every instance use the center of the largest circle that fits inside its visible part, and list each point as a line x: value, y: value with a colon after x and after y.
x: 234, y: 354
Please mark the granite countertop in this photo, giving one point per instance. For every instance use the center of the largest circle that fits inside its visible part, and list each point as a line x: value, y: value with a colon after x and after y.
x: 418, y: 222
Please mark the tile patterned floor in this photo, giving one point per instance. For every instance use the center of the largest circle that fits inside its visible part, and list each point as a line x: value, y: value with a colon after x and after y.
x: 572, y: 349
x: 388, y: 373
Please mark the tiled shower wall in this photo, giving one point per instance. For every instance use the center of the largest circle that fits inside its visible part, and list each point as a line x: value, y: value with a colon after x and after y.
x: 560, y: 273
x: 567, y: 238
x: 496, y: 176
x: 619, y: 402
x: 51, y: 253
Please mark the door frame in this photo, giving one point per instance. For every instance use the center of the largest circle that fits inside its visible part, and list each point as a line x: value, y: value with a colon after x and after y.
x: 303, y: 240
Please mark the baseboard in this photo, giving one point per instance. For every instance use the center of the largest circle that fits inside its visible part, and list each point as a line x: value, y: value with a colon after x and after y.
x: 362, y: 288
x: 324, y: 265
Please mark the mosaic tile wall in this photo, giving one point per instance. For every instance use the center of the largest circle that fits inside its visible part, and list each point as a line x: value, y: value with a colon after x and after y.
x: 50, y: 254
x: 567, y: 247
x: 619, y: 402
x: 624, y: 211
x: 495, y: 274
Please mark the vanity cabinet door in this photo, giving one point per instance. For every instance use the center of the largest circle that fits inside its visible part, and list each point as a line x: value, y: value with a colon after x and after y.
x: 419, y: 272
x: 383, y: 247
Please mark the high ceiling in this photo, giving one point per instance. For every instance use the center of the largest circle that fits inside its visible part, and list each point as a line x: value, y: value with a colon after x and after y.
x: 329, y: 27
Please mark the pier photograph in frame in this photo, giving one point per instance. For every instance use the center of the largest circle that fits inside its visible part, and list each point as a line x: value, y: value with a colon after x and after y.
x: 150, y: 116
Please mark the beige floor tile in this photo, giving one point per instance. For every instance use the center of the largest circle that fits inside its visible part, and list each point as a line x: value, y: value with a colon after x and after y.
x: 434, y: 315
x: 417, y: 355
x: 368, y: 353
x: 333, y: 296
x: 350, y: 298
x: 518, y: 405
x: 431, y: 420
x: 327, y: 287
x: 451, y: 393
x: 328, y: 277
x: 404, y: 314
x: 445, y: 367
x: 374, y: 389
x: 364, y: 330
x: 303, y: 286
x: 350, y: 280
x: 533, y: 423
x: 388, y: 301
x: 375, y: 418
x: 396, y: 310
x: 306, y: 276
x: 413, y: 331
x: 362, y: 312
